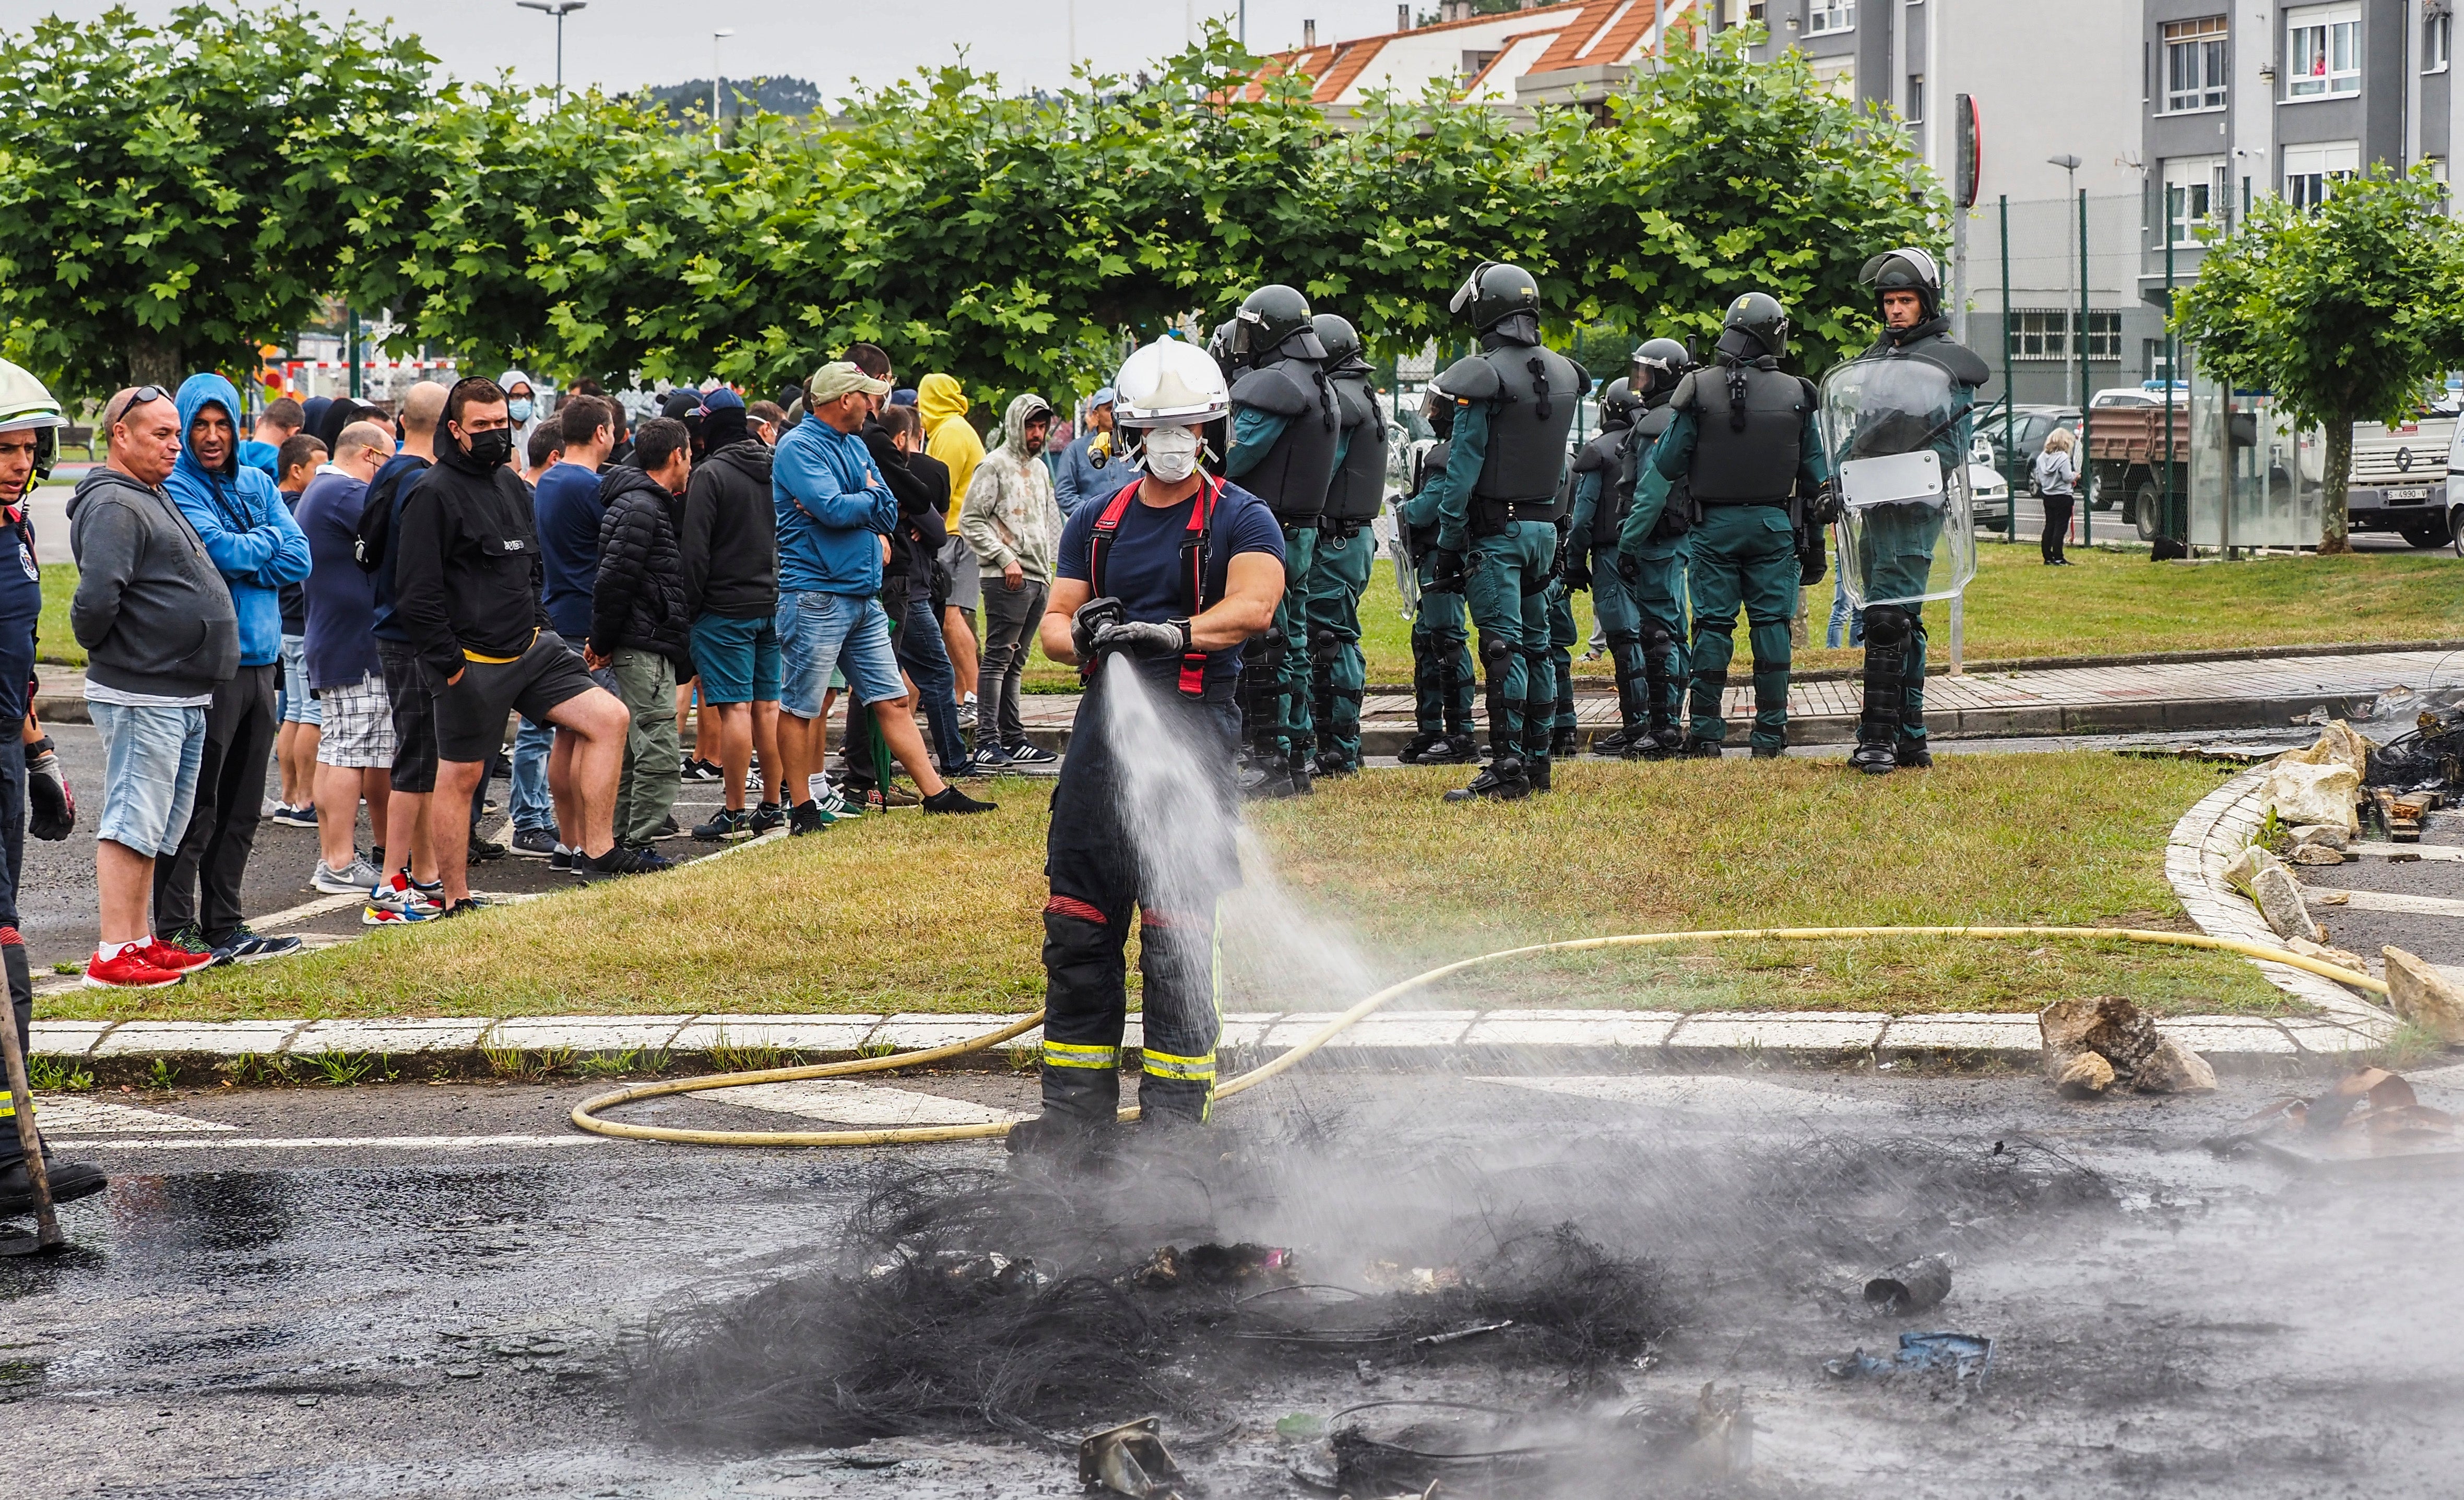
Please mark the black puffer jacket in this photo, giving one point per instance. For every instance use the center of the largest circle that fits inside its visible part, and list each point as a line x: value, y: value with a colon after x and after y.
x: 639, y: 597
x: 731, y: 534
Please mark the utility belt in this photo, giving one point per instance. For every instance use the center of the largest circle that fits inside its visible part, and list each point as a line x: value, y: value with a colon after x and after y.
x: 1490, y: 517
x: 1295, y: 521
x: 1779, y: 502
x: 1341, y: 531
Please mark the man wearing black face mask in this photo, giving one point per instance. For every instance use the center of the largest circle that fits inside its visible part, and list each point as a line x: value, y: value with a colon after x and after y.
x: 465, y: 583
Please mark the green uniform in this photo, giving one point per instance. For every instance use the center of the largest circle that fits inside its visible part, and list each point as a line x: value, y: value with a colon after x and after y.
x: 1739, y: 555
x: 1644, y: 591
x: 1338, y: 575
x: 1443, y: 677
x: 1506, y: 580
x: 1280, y: 659
x: 1562, y: 636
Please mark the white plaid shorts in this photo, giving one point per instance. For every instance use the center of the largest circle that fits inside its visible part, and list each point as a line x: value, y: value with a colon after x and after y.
x: 359, y: 725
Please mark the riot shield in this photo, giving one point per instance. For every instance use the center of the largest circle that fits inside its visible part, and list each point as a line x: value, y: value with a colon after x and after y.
x: 1896, y: 430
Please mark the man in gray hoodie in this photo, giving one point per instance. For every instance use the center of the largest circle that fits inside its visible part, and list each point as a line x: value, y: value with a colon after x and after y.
x: 161, y: 633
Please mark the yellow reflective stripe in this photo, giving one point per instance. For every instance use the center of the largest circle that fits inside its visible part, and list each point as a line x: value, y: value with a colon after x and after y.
x: 1164, y: 1065
x: 1075, y: 1055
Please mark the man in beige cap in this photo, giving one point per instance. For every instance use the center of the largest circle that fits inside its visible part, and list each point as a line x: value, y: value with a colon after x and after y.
x: 835, y: 513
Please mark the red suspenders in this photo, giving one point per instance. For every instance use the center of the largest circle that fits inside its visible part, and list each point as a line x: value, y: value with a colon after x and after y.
x: 1193, y: 566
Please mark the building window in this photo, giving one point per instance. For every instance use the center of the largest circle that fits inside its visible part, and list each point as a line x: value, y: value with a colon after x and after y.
x: 1822, y: 17
x: 2197, y: 196
x: 2437, y: 38
x: 2323, y: 50
x: 1837, y: 76
x: 2309, y: 170
x: 2046, y: 335
x: 2194, y: 64
x: 1916, y: 98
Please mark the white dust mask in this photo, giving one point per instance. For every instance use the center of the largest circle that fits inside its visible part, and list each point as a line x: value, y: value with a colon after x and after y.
x: 1172, y: 453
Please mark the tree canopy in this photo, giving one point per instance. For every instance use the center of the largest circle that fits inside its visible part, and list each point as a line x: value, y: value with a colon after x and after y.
x: 1011, y: 241
x: 2344, y: 312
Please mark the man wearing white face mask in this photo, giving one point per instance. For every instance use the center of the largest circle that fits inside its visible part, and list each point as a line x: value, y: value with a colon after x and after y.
x: 1173, y: 574
x: 523, y: 405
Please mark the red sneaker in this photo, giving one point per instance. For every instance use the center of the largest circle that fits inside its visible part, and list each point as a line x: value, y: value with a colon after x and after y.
x: 176, y: 959
x: 128, y: 971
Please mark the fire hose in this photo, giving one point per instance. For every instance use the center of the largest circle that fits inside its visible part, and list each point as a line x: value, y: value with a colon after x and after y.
x: 585, y: 1113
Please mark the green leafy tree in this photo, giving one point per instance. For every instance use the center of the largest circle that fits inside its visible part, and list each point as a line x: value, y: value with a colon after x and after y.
x: 172, y: 196
x: 2345, y: 312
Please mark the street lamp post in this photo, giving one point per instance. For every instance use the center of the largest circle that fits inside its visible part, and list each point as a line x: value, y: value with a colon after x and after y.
x: 715, y: 38
x: 560, y: 8
x: 2078, y: 341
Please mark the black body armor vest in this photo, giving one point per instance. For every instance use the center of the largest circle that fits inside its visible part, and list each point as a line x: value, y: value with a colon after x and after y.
x: 1756, y: 465
x: 1360, y: 485
x: 1292, y: 477
x: 1605, y: 456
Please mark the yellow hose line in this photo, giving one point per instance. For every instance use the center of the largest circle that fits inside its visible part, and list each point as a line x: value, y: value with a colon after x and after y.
x: 585, y: 1113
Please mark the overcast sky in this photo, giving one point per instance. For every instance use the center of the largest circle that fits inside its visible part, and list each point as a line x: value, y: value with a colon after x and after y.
x: 622, y: 44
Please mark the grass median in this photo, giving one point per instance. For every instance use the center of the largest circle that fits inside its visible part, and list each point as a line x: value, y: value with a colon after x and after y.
x: 923, y: 914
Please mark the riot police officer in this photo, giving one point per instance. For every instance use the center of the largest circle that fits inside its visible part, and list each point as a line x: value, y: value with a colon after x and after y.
x: 1497, y: 508
x: 1897, y: 547
x: 1285, y: 427
x: 1744, y: 439
x: 1346, y: 550
x: 1652, y: 569
x: 1591, y: 558
x: 1442, y: 677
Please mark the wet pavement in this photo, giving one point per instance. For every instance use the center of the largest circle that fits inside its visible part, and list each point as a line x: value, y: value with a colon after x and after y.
x: 442, y: 1290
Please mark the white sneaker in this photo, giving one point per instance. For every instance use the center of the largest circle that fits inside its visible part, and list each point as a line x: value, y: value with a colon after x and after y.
x: 360, y: 877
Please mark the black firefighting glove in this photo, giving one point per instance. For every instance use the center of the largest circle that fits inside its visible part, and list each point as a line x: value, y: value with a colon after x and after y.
x: 1145, y: 638
x: 51, y: 807
x: 1088, y: 622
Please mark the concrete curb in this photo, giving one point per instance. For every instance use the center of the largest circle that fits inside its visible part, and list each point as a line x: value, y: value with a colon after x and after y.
x: 2218, y: 827
x: 1555, y: 1040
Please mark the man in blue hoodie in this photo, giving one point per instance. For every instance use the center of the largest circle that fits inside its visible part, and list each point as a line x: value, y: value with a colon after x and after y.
x: 835, y: 514
x: 257, y: 546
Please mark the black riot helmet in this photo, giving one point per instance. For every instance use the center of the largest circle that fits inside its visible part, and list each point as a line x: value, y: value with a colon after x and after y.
x: 1619, y: 406
x: 1658, y: 365
x: 1275, y: 320
x: 1758, y: 314
x: 1907, y: 269
x: 1494, y: 293
x: 1341, y: 340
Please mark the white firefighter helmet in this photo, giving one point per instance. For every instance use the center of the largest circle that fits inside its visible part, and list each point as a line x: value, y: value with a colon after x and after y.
x: 1170, y: 384
x: 24, y: 403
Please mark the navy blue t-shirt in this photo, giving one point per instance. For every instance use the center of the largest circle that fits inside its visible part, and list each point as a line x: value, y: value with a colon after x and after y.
x: 566, y: 508
x: 21, y: 607
x: 1142, y: 569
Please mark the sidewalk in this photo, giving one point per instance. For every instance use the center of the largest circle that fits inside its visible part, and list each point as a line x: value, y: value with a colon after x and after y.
x: 2261, y: 692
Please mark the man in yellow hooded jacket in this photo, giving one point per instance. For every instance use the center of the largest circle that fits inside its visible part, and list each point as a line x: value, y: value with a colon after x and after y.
x: 948, y: 436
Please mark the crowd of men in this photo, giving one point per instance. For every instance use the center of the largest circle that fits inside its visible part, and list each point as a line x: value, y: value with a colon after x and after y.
x: 379, y: 607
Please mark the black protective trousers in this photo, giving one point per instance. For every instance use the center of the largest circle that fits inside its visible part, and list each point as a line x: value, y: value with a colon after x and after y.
x: 231, y: 797
x: 13, y: 946
x: 1104, y: 866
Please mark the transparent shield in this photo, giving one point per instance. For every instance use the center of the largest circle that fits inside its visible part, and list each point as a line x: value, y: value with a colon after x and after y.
x: 1896, y: 433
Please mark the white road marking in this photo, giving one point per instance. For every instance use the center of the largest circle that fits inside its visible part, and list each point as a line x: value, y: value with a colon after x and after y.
x: 2416, y: 851
x: 2392, y: 901
x: 1692, y: 1091
x: 307, y: 911
x: 66, y: 1114
x: 346, y: 1143
x: 864, y: 1105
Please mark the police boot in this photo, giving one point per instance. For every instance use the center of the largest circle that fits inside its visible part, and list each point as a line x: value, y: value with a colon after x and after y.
x: 1768, y: 753
x: 1696, y: 748
x: 1504, y: 778
x: 1296, y: 774
x: 1911, y: 754
x: 1416, y: 747
x: 1887, y: 629
x: 1457, y: 749
x: 1536, y: 773
x: 1613, y: 744
x: 1330, y: 763
x: 1562, y: 743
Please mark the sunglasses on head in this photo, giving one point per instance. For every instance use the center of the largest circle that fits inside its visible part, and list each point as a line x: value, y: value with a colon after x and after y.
x: 141, y: 395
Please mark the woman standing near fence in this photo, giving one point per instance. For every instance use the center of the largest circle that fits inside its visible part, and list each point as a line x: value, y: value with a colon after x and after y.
x: 2056, y: 477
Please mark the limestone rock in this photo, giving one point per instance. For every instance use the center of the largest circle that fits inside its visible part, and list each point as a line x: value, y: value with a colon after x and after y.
x: 2317, y: 854
x: 2338, y: 744
x: 2326, y: 954
x: 2278, y: 898
x: 2241, y: 871
x: 2327, y: 834
x: 2108, y: 1026
x: 2300, y: 792
x: 2424, y: 996
x: 2173, y: 1068
x: 2087, y: 1077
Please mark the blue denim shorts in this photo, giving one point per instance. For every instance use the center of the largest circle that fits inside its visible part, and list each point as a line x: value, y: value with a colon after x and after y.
x: 150, y: 757
x: 297, y: 707
x: 819, y: 631
x: 737, y: 660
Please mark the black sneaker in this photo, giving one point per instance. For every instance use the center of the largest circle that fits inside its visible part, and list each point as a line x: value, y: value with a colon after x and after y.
x: 621, y: 859
x: 484, y: 850
x: 766, y: 815
x: 465, y: 907
x: 699, y: 769
x: 806, y: 818
x: 950, y: 799
x: 563, y: 862
x: 724, y: 825
x: 536, y: 843
x: 191, y: 939
x: 241, y: 945
x: 1025, y: 755
x: 669, y: 828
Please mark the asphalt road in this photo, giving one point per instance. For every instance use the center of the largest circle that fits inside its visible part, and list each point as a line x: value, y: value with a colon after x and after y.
x: 393, y: 1317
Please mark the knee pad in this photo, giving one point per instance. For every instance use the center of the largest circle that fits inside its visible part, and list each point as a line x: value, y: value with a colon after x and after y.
x: 1495, y: 651
x: 1889, y: 627
x: 1623, y: 638
x: 1658, y: 639
x: 1725, y: 629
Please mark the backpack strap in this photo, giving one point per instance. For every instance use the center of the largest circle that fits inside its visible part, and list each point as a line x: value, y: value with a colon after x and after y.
x: 1100, y: 546
x: 1195, y: 546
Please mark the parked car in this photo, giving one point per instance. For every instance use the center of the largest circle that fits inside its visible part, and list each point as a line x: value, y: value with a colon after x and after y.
x: 1989, y: 493
x: 2030, y: 427
x: 2400, y: 482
